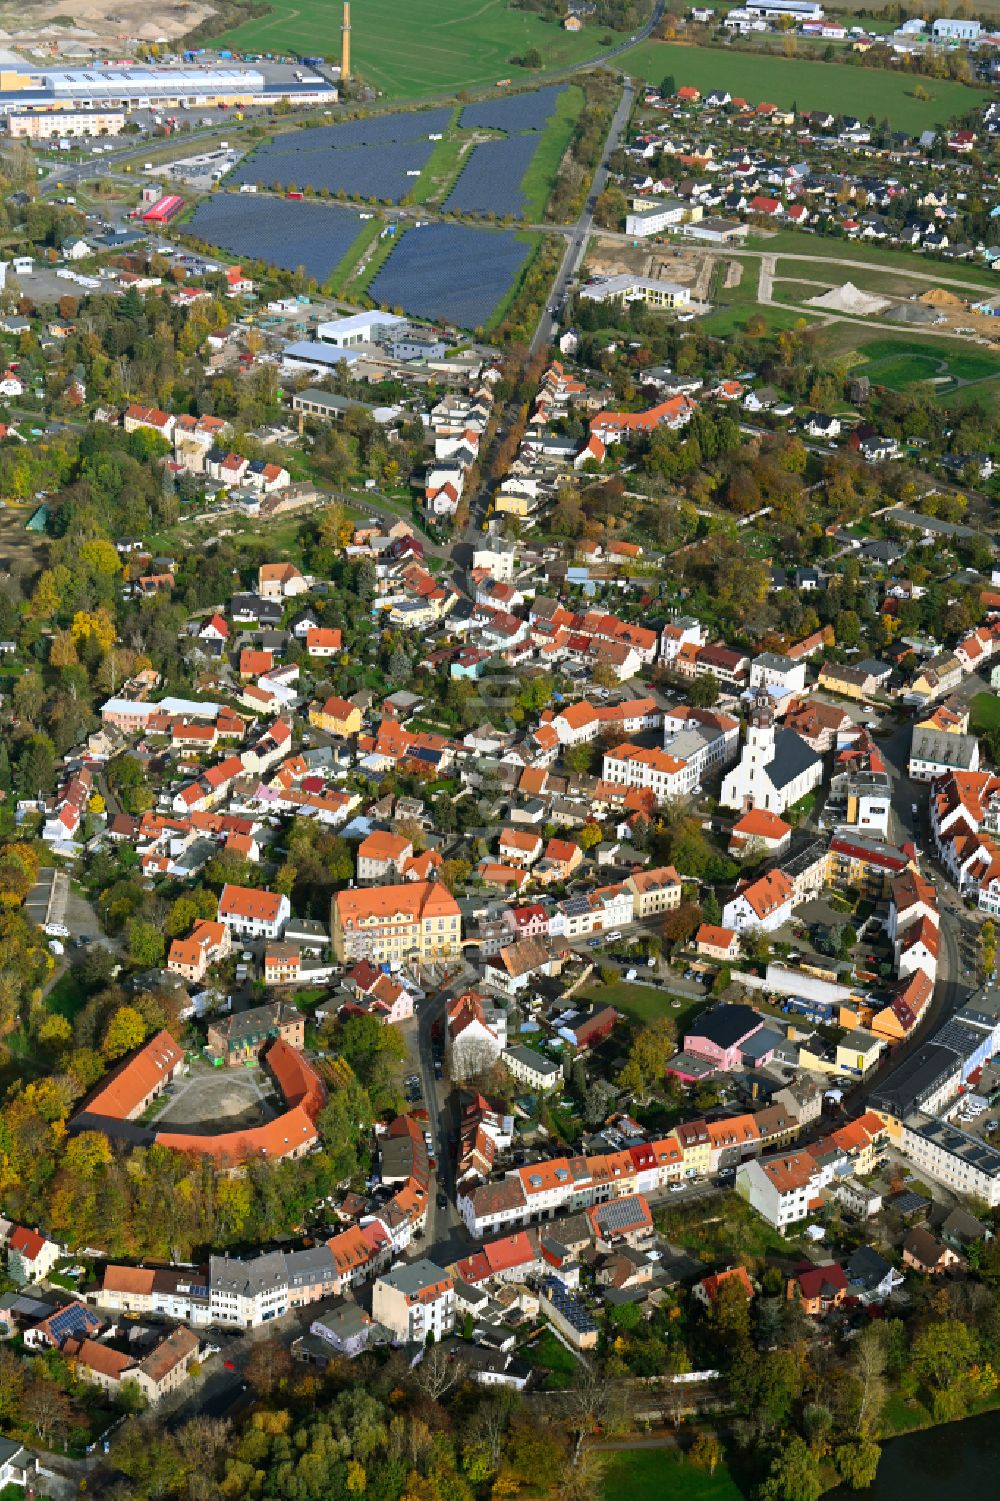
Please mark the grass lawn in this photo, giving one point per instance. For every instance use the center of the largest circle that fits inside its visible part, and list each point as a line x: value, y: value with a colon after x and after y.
x: 651, y: 1474
x: 644, y: 1003
x: 547, y: 1351
x: 539, y: 180
x: 66, y: 996
x: 441, y: 170
x: 344, y: 269
x: 809, y: 85
x: 724, y: 1230
x: 429, y: 47
x: 985, y: 713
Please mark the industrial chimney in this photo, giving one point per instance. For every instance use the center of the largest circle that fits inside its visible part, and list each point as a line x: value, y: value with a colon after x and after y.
x: 345, y: 44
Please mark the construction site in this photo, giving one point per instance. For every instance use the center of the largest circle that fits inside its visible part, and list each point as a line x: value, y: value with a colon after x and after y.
x: 819, y: 287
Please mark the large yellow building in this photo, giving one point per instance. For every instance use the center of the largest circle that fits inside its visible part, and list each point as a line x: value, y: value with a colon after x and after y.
x: 416, y: 921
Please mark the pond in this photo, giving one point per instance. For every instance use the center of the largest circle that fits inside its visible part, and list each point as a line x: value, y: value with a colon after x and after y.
x: 957, y: 1459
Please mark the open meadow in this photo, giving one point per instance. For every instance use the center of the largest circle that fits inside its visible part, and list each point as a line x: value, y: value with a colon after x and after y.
x: 426, y: 47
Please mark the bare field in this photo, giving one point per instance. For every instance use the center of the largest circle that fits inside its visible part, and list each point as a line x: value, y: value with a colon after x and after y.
x: 684, y: 264
x: 44, y: 21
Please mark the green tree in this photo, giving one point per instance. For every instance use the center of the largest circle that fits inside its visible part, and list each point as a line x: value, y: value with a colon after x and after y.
x: 794, y: 1474
x: 145, y: 943
x: 857, y: 1462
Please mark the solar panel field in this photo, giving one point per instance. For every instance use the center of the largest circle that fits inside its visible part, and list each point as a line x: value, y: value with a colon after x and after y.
x: 376, y: 158
x: 451, y: 272
x: 381, y: 172
x: 492, y: 176
x: 530, y: 111
x: 284, y: 233
x: 377, y: 130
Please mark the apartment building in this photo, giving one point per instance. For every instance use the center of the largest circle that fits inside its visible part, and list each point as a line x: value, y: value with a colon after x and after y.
x: 415, y: 1299
x: 532, y: 1069
x: 337, y: 716
x: 665, y: 775
x: 783, y: 1190
x: 245, y: 1294
x: 207, y: 943
x: 416, y: 921
x: 962, y: 1162
x: 250, y: 913
x: 654, y: 891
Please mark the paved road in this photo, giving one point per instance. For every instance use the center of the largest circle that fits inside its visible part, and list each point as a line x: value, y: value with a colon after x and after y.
x: 445, y: 1237
x: 577, y: 247
x: 579, y: 235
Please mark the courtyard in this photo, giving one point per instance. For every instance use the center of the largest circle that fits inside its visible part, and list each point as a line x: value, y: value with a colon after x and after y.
x: 210, y: 1101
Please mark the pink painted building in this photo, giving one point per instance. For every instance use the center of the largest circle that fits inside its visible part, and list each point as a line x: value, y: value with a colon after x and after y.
x: 721, y: 1034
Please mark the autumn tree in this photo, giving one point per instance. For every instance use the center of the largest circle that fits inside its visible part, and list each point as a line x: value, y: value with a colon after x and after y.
x: 126, y: 1031
x: 269, y: 1367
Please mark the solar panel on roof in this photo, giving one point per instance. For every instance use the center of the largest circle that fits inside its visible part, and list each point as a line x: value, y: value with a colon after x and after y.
x: 618, y: 1214
x: 71, y: 1321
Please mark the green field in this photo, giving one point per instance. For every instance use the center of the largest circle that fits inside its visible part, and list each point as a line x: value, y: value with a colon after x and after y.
x: 808, y: 85
x: 733, y: 306
x: 985, y: 713
x: 652, y: 1474
x: 429, y: 47
x: 540, y: 178
x: 790, y: 245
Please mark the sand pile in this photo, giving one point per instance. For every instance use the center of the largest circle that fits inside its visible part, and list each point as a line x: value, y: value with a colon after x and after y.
x: 938, y: 297
x: 850, y: 299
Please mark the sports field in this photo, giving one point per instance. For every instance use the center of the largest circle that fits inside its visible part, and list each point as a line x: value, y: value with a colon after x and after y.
x: 427, y: 47
x: 786, y: 81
